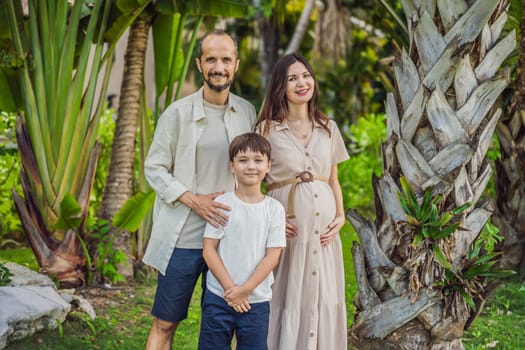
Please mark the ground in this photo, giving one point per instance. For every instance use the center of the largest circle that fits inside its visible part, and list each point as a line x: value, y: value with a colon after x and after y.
x: 102, y: 298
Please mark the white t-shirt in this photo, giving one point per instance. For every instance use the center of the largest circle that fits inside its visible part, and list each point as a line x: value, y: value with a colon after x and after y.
x: 251, y: 228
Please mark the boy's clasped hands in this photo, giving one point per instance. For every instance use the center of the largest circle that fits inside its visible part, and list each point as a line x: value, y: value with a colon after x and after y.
x: 237, y: 298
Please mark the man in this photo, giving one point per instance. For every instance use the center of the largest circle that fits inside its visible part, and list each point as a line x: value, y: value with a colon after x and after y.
x: 187, y: 166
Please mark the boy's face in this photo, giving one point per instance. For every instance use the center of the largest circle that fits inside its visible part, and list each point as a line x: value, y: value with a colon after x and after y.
x: 250, y: 167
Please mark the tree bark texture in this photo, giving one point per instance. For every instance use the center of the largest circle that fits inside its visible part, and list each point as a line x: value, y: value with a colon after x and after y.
x: 269, y: 31
x: 440, y: 123
x: 119, y: 181
x: 509, y: 216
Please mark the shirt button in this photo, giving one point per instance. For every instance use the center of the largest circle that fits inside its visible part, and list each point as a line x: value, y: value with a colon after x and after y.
x: 315, y: 195
x: 315, y: 252
x: 307, y: 154
x: 314, y: 273
x: 309, y: 168
x: 316, y: 232
x: 317, y: 214
x: 312, y: 334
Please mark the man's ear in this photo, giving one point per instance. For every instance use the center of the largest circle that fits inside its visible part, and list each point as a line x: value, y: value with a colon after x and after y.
x: 237, y: 61
x: 198, y: 63
x: 231, y: 167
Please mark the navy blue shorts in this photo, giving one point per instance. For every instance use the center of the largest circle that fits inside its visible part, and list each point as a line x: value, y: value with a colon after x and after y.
x: 219, y: 321
x: 174, y: 290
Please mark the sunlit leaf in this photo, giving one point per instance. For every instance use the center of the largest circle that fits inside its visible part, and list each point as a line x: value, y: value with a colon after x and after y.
x: 130, y: 216
x: 169, y: 57
x: 461, y: 209
x: 440, y: 257
x: 70, y: 214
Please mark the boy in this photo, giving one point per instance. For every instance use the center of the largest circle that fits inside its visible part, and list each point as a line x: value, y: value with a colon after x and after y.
x: 242, y: 254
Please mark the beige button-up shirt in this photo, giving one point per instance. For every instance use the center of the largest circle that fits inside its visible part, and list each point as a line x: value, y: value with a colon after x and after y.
x: 170, y: 166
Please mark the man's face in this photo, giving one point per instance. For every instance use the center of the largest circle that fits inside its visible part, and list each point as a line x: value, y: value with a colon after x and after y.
x: 218, y: 62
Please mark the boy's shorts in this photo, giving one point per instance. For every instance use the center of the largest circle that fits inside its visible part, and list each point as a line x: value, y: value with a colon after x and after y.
x: 174, y: 290
x: 219, y: 321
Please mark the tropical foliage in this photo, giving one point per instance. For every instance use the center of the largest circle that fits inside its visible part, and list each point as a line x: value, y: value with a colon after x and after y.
x: 56, y: 74
x: 5, y: 275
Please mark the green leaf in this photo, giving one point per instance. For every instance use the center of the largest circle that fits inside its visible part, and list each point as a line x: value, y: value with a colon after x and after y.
x: 169, y: 57
x: 468, y: 299
x: 123, y: 17
x: 404, y: 206
x: 417, y: 240
x: 445, y: 218
x: 410, y: 197
x: 440, y: 257
x: 134, y: 211
x: 445, y: 231
x: 70, y: 214
x: 223, y: 8
x: 461, y: 209
x: 412, y: 220
x: 128, y: 6
x: 499, y: 273
x: 485, y: 258
x: 9, y: 87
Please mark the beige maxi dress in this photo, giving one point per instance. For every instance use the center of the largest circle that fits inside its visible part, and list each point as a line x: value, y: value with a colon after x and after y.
x: 308, y: 309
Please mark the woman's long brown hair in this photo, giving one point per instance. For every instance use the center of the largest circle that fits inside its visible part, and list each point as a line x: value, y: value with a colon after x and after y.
x: 275, y: 106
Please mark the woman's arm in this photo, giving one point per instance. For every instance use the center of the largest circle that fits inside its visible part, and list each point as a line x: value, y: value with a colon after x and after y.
x: 333, y: 228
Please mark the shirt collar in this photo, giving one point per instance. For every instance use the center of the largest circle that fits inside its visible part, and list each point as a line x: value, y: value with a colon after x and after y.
x: 198, y: 106
x: 284, y: 125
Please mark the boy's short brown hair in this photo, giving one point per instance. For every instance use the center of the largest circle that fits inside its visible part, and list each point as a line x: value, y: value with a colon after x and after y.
x: 250, y: 141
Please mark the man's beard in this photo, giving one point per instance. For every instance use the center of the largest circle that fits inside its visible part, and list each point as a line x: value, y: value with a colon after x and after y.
x: 217, y: 88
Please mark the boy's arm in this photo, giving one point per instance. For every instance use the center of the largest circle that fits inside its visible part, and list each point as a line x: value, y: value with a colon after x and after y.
x: 262, y: 271
x: 216, y: 266
x: 214, y: 262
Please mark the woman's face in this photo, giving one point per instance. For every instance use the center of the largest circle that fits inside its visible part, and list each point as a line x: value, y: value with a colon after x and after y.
x: 301, y: 84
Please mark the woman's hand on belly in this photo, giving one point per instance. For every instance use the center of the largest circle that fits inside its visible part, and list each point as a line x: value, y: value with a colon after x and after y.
x: 332, y: 230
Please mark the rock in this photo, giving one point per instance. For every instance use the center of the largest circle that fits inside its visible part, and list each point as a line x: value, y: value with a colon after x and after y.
x: 78, y: 302
x: 30, y: 303
x: 26, y: 277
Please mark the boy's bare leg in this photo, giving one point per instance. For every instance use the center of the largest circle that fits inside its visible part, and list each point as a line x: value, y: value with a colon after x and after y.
x: 161, y: 335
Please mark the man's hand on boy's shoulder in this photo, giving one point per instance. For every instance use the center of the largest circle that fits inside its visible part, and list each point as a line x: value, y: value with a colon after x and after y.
x: 206, y: 207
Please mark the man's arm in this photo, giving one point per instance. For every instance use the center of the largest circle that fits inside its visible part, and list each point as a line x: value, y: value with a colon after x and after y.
x: 262, y: 271
x: 158, y: 170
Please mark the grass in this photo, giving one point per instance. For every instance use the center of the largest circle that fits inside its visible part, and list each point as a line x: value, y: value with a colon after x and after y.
x: 500, y: 325
x: 124, y: 323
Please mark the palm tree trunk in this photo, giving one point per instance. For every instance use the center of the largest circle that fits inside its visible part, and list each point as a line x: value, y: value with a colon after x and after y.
x: 301, y: 27
x: 439, y: 127
x: 119, y: 181
x: 510, y: 171
x: 269, y: 31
